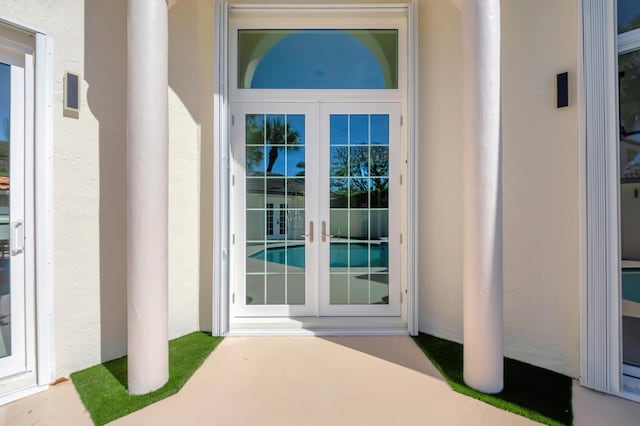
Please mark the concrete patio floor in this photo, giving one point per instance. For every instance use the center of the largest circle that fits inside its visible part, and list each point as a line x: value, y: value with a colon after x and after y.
x: 313, y: 381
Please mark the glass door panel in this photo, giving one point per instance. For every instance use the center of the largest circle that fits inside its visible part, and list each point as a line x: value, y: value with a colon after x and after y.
x: 12, y: 199
x: 271, y: 184
x: 629, y: 153
x: 360, y: 142
x: 316, y: 197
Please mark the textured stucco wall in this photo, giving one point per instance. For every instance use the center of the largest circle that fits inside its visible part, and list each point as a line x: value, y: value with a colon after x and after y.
x: 90, y: 172
x: 440, y: 145
x: 77, y: 188
x: 540, y: 178
x: 541, y: 154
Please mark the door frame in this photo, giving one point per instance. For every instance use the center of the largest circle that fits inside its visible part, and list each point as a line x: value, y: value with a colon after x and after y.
x: 221, y: 138
x: 21, y: 342
x: 601, y: 365
x: 39, y: 154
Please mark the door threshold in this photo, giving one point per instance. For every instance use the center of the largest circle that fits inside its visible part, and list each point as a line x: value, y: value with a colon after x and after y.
x: 319, y: 326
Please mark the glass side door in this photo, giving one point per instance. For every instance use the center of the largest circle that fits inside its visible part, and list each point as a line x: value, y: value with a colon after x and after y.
x: 360, y: 209
x: 274, y: 227
x: 629, y: 154
x: 15, y: 73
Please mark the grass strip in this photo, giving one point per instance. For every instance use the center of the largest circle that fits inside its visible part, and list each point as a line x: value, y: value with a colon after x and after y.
x: 103, y: 387
x: 530, y: 391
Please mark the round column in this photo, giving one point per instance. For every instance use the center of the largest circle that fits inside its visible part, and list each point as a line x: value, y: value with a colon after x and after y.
x: 482, y: 228
x: 147, y: 188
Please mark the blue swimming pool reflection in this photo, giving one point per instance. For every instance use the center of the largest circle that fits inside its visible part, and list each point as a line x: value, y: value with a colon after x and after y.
x: 342, y: 255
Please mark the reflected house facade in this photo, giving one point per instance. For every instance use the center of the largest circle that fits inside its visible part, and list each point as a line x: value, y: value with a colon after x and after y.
x: 320, y: 179
x: 281, y: 223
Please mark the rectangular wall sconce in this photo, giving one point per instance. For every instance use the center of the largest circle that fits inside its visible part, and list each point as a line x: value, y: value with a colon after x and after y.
x: 562, y: 81
x: 71, y: 92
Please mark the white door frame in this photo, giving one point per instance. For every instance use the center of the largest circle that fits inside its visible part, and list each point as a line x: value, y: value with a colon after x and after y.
x: 222, y: 73
x: 38, y: 210
x: 600, y: 272
x: 21, y: 110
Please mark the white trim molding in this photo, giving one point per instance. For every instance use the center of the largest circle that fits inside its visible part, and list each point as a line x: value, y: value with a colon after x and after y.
x: 628, y: 41
x: 220, y: 307
x: 413, y: 222
x: 45, y: 318
x: 600, y: 307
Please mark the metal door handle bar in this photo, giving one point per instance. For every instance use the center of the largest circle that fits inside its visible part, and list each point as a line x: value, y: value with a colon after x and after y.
x: 324, y: 232
x: 17, y: 238
x: 310, y: 234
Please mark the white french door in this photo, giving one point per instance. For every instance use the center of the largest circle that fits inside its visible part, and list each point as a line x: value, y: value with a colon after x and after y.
x: 274, y: 209
x: 315, y: 209
x: 16, y: 118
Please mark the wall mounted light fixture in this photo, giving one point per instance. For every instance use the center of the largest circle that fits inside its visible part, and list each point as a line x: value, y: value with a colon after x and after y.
x: 71, y: 92
x: 563, y: 89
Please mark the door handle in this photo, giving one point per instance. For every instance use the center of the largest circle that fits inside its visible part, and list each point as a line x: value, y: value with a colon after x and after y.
x: 17, y: 238
x: 324, y: 232
x: 310, y: 234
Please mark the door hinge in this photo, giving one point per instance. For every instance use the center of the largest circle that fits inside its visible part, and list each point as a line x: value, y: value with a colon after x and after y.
x: 233, y: 238
x: 400, y: 238
x: 233, y: 298
x: 400, y: 121
x: 233, y: 120
x: 400, y: 297
x: 233, y: 180
x: 400, y: 179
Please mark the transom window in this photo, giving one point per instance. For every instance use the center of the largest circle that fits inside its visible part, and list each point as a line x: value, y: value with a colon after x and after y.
x: 318, y: 59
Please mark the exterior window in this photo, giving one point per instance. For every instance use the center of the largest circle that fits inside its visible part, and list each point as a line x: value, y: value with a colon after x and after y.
x: 283, y: 220
x: 317, y: 59
x: 629, y: 181
x: 628, y: 15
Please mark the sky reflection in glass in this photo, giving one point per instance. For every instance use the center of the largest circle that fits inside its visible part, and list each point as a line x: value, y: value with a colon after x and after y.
x: 317, y: 59
x: 628, y: 15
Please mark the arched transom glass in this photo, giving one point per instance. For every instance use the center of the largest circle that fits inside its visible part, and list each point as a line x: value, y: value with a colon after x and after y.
x: 317, y: 59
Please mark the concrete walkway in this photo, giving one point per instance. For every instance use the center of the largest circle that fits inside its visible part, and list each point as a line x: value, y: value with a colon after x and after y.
x: 312, y: 381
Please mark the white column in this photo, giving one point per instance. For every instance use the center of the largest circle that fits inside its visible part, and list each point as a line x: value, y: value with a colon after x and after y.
x: 482, y: 229
x: 147, y: 187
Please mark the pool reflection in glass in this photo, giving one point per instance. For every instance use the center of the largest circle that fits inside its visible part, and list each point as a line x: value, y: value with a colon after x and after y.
x: 275, y: 209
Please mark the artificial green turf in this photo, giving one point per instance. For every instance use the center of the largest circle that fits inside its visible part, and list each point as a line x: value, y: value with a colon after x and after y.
x: 533, y: 392
x: 103, y: 388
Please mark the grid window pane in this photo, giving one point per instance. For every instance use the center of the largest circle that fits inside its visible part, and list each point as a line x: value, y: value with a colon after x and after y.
x: 359, y: 215
x: 275, y: 203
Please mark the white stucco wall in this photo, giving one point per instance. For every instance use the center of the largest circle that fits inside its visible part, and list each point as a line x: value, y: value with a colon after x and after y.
x: 77, y: 184
x: 541, y: 154
x: 90, y: 175
x: 190, y: 141
x: 540, y: 172
x: 440, y: 150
